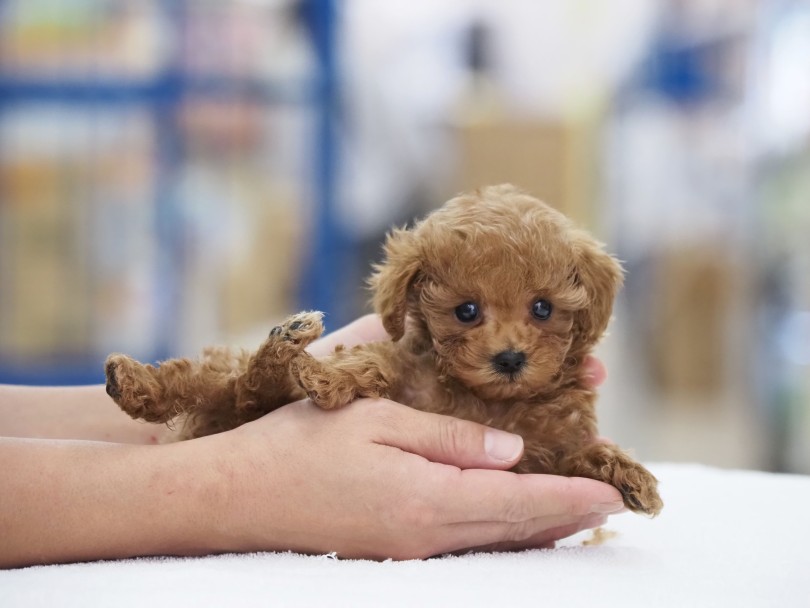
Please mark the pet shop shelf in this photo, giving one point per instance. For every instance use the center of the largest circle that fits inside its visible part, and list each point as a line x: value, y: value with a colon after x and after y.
x: 153, y: 156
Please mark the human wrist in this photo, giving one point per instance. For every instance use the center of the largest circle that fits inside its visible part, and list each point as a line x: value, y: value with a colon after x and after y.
x: 196, y: 480
x: 227, y: 504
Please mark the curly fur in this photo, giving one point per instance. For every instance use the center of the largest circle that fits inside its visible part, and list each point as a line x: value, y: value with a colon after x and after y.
x: 497, y: 247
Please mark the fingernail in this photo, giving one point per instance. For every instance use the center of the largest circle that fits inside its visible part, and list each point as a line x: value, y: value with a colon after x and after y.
x: 607, y: 507
x: 503, y: 446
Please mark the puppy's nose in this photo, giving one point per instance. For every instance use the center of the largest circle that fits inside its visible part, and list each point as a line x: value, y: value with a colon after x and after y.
x: 508, y: 362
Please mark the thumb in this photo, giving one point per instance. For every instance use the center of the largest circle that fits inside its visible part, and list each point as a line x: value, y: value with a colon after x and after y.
x: 365, y: 329
x: 448, y: 440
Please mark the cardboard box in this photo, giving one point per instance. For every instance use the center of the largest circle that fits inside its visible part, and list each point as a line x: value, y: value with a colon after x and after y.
x: 691, y: 307
x: 554, y: 161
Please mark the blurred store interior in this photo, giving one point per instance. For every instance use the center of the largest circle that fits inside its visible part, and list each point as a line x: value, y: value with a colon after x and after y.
x: 181, y: 173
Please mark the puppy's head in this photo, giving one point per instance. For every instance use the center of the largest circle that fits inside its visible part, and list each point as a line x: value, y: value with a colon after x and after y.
x: 502, y: 287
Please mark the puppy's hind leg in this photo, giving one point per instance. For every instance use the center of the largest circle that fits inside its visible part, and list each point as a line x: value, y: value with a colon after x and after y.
x: 147, y: 392
x: 267, y: 384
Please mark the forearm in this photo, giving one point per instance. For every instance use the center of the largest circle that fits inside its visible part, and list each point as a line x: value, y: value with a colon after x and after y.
x: 76, y: 412
x: 71, y: 501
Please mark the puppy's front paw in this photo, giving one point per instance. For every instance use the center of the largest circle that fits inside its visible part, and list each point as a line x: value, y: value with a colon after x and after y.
x: 295, y: 334
x: 330, y: 386
x: 639, y: 490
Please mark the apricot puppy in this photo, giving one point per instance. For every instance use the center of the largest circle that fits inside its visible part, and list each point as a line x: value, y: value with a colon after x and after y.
x: 492, y: 303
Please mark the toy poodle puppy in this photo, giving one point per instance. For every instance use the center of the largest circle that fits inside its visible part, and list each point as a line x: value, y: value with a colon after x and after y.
x: 492, y: 303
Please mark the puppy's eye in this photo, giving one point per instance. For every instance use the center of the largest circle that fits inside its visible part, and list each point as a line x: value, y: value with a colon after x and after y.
x: 467, y: 312
x: 542, y: 310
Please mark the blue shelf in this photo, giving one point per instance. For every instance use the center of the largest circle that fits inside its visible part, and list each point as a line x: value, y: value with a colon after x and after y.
x: 54, y: 374
x: 167, y: 88
x: 159, y: 94
x: 321, y: 284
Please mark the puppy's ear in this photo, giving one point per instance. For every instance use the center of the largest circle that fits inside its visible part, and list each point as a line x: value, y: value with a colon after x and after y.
x: 601, y: 276
x: 392, y: 280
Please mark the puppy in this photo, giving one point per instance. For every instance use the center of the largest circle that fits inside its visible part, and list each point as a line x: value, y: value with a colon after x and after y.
x: 492, y: 303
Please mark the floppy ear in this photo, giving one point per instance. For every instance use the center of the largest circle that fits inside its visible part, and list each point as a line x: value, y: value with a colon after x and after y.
x: 601, y: 276
x: 392, y: 280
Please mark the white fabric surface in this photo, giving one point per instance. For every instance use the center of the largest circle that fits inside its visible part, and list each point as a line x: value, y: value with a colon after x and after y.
x: 725, y: 538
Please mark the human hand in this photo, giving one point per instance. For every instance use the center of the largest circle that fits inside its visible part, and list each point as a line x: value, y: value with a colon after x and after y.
x: 374, y: 479
x: 367, y: 328
x: 556, y: 524
x: 377, y: 479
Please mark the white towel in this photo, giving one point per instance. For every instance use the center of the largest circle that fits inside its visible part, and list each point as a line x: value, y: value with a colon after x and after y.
x: 725, y: 538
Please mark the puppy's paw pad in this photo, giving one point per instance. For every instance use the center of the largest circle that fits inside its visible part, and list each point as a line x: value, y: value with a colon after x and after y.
x: 133, y: 388
x: 112, y: 382
x: 116, y: 369
x: 299, y: 330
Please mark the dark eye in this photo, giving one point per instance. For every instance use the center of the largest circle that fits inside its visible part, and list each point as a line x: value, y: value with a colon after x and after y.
x: 467, y: 312
x: 542, y: 310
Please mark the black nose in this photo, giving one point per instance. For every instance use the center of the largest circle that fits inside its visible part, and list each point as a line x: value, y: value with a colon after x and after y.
x: 508, y: 362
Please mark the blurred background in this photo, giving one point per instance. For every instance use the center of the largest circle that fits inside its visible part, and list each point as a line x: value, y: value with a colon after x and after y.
x: 180, y: 173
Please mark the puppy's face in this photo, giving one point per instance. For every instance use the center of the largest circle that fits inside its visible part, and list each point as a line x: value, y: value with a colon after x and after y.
x: 497, y: 337
x: 506, y: 289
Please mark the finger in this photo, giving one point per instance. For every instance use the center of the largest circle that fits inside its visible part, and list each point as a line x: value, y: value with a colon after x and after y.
x: 365, y: 329
x: 491, y: 496
x: 444, y: 439
x: 595, y: 371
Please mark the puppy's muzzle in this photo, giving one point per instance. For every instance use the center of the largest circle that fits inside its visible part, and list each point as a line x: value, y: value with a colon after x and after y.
x: 508, y: 362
